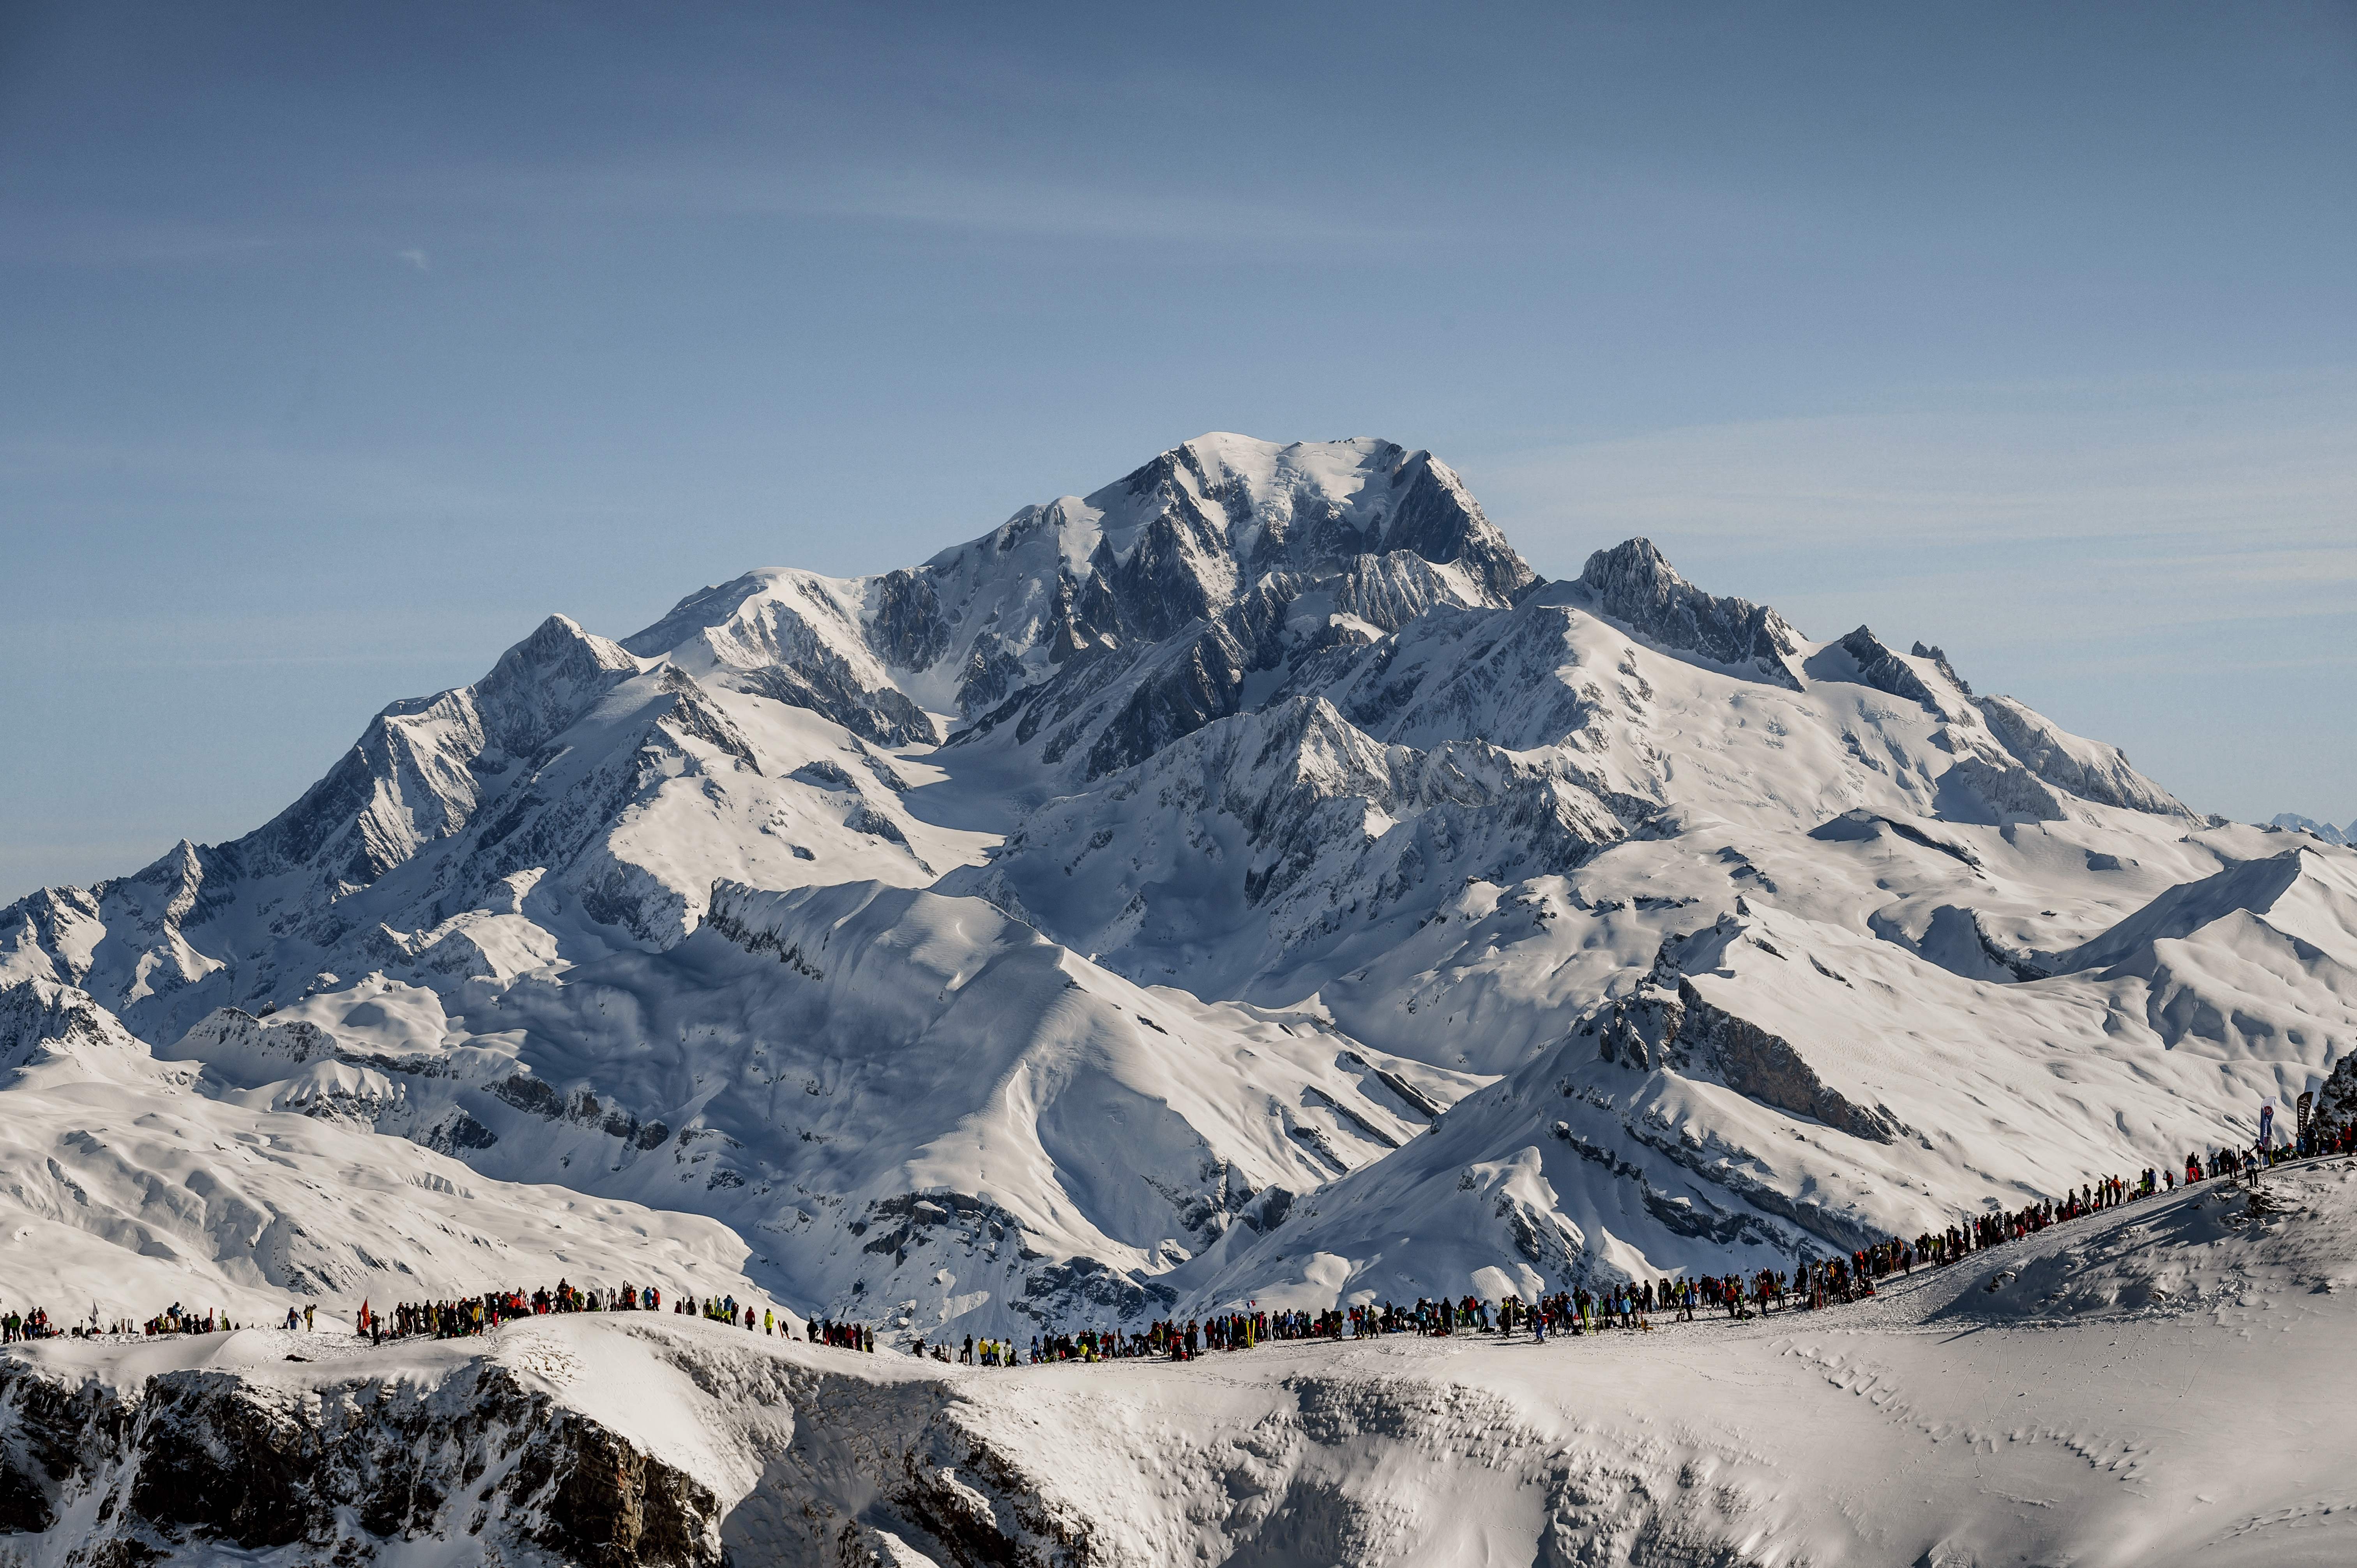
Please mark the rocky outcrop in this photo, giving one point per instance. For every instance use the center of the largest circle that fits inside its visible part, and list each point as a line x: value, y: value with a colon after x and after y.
x: 39, y: 1018
x: 1635, y: 584
x: 257, y: 1052
x: 2337, y: 1102
x: 1940, y: 660
x: 1433, y: 517
x: 1878, y: 667
x: 907, y: 621
x: 190, y: 1465
x: 880, y: 714
x: 1639, y: 1030
x: 423, y: 766
x: 1766, y: 1066
x: 2006, y: 792
x: 1666, y: 1023
x: 992, y: 671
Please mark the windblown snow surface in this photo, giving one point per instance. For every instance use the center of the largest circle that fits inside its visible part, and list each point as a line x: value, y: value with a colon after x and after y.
x: 1248, y: 882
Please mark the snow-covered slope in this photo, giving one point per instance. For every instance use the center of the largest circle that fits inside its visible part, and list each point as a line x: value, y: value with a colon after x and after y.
x: 129, y: 1185
x: 2160, y: 1384
x: 1245, y: 881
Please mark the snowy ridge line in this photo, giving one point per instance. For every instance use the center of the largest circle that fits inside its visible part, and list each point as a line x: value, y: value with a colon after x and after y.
x: 1820, y: 1285
x: 601, y: 1439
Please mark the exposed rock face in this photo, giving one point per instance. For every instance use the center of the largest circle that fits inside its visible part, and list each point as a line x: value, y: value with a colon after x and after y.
x: 1754, y: 1062
x: 1223, y: 572
x: 1633, y: 583
x: 38, y: 1017
x: 51, y: 1432
x: 420, y: 769
x: 2338, y: 1099
x: 1883, y: 670
x: 909, y: 630
x: 200, y: 1462
x: 1654, y: 1026
x: 232, y: 1037
x: 1937, y: 657
x: 992, y: 671
x: 1639, y: 1030
x: 820, y: 1459
x: 1435, y: 519
x: 822, y: 686
x: 800, y: 640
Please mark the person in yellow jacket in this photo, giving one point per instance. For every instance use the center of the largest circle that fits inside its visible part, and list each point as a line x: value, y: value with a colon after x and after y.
x: 769, y: 1324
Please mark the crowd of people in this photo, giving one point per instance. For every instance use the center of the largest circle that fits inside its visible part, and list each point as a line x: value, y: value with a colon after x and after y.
x: 35, y: 1325
x: 15, y: 1325
x: 452, y: 1319
x: 175, y: 1319
x: 460, y: 1316
x: 1632, y: 1306
x: 457, y: 1317
x: 1627, y: 1305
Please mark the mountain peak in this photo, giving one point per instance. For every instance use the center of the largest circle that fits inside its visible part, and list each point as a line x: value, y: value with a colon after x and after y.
x: 1634, y: 582
x: 1309, y: 506
x: 560, y: 639
x: 545, y: 682
x: 2324, y: 830
x: 1939, y: 658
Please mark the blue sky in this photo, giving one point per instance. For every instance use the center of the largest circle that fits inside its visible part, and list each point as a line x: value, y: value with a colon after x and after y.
x: 340, y: 344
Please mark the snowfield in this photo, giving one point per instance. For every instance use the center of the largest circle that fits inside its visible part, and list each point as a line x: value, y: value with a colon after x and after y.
x: 2156, y: 1384
x: 131, y: 1189
x: 1247, y: 883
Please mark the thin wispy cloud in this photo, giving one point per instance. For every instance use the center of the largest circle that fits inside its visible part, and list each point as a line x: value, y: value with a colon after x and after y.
x: 2272, y: 466
x: 415, y: 258
x: 936, y: 198
x: 31, y: 235
x: 2120, y: 555
x: 251, y: 484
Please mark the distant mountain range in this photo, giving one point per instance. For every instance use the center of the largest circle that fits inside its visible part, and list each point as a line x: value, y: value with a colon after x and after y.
x: 2324, y: 830
x: 1249, y: 881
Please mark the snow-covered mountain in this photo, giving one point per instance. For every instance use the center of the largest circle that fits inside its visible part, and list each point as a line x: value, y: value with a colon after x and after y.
x: 2324, y: 830
x: 1249, y: 880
